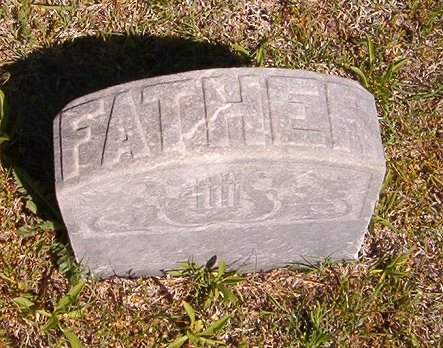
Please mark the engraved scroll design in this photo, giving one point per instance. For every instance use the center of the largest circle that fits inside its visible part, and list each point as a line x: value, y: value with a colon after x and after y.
x: 257, y: 197
x: 236, y: 196
x: 222, y: 198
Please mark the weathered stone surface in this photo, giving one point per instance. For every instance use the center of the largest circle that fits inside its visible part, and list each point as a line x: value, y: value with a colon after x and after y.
x: 259, y: 166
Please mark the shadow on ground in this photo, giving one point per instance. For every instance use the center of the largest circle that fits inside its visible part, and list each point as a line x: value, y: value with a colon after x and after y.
x: 41, y: 84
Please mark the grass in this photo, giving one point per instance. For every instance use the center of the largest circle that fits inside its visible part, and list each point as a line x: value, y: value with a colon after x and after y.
x: 52, y: 52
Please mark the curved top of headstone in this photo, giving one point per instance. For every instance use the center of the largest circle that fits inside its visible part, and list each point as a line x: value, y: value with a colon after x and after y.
x: 214, y: 114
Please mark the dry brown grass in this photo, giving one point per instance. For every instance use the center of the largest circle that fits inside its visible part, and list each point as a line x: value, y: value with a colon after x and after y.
x: 391, y: 297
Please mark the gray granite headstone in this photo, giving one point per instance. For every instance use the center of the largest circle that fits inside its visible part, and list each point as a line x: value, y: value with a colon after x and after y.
x: 260, y: 166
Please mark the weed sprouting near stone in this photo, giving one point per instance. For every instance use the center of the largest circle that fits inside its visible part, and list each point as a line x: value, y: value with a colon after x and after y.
x: 210, y: 283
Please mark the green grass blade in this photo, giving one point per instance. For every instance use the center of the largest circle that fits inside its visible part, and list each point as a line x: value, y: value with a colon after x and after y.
x: 3, y: 112
x: 228, y: 295
x: 206, y: 341
x: 371, y: 52
x: 23, y: 302
x: 23, y: 15
x: 385, y: 222
x: 215, y: 327
x: 51, y: 323
x: 240, y: 49
x: 232, y: 280
x: 195, y: 340
x: 190, y: 312
x: 221, y: 269
x: 398, y: 64
x: 3, y: 118
x: 43, y: 312
x: 260, y: 56
x: 387, y: 180
x: 393, y: 68
x: 4, y: 139
x: 178, y: 342
x: 70, y: 297
x: 72, y: 338
x: 53, y: 7
x: 435, y: 93
x: 76, y: 314
x: 361, y: 75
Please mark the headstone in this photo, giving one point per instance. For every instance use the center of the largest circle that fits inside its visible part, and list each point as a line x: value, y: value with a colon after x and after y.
x: 262, y: 167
